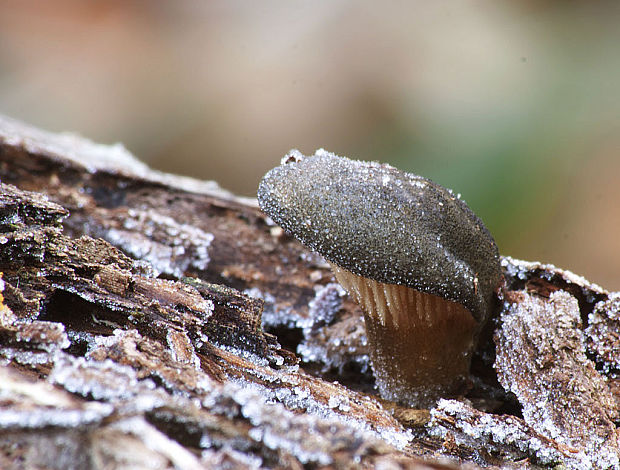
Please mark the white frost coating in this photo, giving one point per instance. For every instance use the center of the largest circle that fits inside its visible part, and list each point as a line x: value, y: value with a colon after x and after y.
x: 553, y: 327
x: 476, y: 429
x: 519, y: 269
x: 256, y: 293
x: 339, y: 402
x: 189, y: 245
x: 336, y: 352
x: 206, y: 307
x: 250, y: 356
x: 324, y: 153
x: 272, y: 429
x: 326, y: 303
x: 30, y: 358
x: 109, y: 341
x: 602, y: 332
x: 37, y: 404
x: 300, y: 398
x: 38, y: 337
x: 105, y: 380
x: 422, y: 185
x: 45, y: 417
x: 336, y: 356
x: 273, y: 315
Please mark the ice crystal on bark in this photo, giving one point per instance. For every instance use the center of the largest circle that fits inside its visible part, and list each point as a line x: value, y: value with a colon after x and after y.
x: 146, y: 235
x: 104, y: 380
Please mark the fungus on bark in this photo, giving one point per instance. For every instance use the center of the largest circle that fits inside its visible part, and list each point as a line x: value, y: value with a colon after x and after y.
x: 420, y: 263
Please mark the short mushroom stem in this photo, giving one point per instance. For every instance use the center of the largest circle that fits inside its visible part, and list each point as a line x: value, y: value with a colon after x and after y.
x: 420, y: 344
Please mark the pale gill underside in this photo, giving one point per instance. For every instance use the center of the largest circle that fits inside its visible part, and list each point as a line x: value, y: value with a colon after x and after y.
x: 399, y: 306
x: 420, y: 344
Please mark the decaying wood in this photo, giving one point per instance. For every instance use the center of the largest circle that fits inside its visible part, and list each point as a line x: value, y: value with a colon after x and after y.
x: 156, y: 321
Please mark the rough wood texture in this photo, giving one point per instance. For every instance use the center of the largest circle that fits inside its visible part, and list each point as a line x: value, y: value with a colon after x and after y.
x: 155, y: 321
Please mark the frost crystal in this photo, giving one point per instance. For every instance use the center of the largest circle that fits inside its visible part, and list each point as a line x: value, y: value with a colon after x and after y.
x: 141, y: 236
x: 335, y: 347
x: 278, y: 428
x: 28, y: 405
x: 326, y: 304
x: 273, y: 315
x: 508, y: 436
x: 335, y: 412
x: 602, y: 337
x: 105, y: 380
x: 523, y: 270
x: 541, y: 359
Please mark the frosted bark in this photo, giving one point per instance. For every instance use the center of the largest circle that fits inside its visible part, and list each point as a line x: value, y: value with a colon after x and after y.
x: 154, y: 321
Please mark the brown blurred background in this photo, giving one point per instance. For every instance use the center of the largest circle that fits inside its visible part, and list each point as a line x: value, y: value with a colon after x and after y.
x: 516, y: 105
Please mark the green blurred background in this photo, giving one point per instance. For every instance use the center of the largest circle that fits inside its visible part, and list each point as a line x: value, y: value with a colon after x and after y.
x: 513, y: 104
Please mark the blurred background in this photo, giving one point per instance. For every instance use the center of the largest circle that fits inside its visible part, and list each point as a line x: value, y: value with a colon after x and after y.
x: 513, y: 104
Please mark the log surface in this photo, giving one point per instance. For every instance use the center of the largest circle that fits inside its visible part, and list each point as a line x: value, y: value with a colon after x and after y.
x: 156, y: 321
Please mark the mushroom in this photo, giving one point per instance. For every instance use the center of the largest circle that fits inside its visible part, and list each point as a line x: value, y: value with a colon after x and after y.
x: 419, y: 262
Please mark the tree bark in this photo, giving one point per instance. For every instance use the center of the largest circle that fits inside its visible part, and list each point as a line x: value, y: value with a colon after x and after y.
x: 157, y: 321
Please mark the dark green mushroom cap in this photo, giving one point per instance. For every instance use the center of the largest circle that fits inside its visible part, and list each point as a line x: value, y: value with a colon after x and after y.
x: 385, y: 224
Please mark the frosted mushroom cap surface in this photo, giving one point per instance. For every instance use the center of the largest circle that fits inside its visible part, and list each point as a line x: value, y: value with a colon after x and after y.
x: 385, y: 224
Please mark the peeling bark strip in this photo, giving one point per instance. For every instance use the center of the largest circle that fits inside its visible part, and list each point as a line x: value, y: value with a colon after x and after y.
x: 131, y: 333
